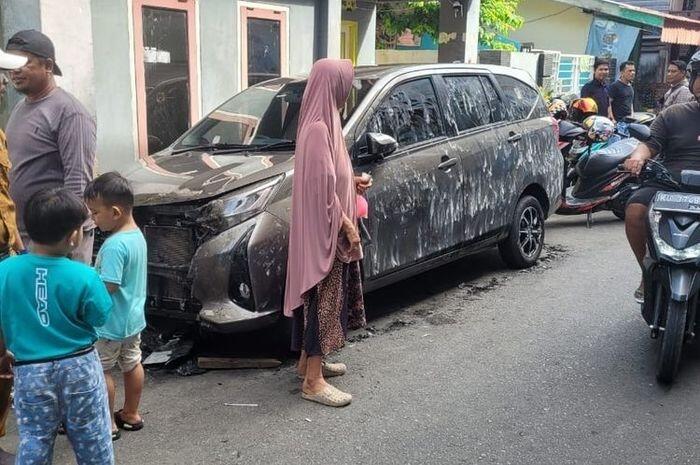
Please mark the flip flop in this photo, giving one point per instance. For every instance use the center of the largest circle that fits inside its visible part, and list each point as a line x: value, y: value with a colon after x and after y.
x: 125, y: 425
x: 329, y: 370
x: 330, y: 396
x: 116, y: 435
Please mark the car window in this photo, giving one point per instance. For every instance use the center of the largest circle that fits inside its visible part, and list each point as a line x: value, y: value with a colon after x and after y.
x: 495, y: 102
x: 263, y: 114
x: 522, y: 101
x: 409, y: 114
x: 469, y: 103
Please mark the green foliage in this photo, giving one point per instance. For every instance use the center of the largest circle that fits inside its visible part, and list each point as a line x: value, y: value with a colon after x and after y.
x: 497, y: 19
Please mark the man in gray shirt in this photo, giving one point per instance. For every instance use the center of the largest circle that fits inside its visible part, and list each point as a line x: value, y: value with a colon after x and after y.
x: 50, y: 134
x: 679, y: 91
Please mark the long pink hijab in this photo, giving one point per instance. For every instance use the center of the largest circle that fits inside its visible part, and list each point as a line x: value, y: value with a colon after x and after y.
x: 323, y: 189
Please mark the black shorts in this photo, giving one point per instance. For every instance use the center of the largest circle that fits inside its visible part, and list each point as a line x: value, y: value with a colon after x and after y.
x: 644, y: 195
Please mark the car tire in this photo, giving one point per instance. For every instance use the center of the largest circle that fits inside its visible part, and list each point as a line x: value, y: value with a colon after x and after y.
x: 523, y: 246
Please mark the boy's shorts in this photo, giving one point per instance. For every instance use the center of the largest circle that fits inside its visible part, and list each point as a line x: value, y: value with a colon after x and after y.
x: 126, y: 353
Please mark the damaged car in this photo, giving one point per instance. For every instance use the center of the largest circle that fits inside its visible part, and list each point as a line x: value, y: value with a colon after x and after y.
x: 463, y: 157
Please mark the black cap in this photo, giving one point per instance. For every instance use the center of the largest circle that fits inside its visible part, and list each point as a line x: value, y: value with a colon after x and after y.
x: 36, y: 43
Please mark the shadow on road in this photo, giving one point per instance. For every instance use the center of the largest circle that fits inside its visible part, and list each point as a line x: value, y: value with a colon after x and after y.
x: 274, y: 341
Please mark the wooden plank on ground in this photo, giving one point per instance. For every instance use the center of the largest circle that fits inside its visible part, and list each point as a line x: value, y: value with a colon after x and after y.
x: 228, y: 363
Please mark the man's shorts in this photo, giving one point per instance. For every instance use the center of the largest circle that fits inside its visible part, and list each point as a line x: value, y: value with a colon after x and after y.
x: 644, y: 195
x: 126, y: 353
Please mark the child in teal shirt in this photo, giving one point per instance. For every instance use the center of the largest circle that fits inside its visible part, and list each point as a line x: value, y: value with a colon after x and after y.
x: 49, y: 308
x: 122, y: 264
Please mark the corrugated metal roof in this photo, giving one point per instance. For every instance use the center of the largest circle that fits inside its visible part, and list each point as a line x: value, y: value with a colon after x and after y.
x: 677, y: 32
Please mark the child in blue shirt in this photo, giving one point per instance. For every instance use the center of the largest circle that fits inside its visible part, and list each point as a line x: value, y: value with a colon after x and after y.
x: 122, y: 264
x: 49, y: 308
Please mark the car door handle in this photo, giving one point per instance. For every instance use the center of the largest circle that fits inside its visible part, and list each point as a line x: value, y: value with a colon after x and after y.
x: 514, y: 137
x: 446, y: 164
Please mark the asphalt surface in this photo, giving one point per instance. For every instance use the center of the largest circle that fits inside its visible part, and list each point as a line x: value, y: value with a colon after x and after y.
x: 470, y: 363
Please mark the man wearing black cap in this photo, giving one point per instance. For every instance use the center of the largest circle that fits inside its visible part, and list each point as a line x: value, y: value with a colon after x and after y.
x: 50, y: 134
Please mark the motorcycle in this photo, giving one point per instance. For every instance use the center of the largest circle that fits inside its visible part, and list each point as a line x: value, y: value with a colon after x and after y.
x: 672, y: 266
x: 599, y: 184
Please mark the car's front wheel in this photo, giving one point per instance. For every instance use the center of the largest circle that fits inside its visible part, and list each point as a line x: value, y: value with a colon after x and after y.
x: 523, y: 246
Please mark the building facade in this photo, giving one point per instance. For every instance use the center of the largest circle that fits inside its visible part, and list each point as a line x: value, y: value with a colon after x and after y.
x: 149, y: 69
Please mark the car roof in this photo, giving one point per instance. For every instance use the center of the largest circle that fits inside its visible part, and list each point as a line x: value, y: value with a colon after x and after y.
x: 391, y: 71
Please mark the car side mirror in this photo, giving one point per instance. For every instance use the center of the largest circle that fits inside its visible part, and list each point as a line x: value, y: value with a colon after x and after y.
x: 639, y: 132
x: 380, y: 145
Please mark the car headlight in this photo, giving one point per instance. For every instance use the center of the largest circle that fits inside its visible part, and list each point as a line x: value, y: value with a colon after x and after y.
x: 665, y: 249
x: 235, y: 208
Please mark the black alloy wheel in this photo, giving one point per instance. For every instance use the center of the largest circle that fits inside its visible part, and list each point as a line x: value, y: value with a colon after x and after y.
x: 523, y: 246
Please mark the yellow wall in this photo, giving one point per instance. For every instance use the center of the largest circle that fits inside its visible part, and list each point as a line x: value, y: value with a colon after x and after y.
x: 565, y: 31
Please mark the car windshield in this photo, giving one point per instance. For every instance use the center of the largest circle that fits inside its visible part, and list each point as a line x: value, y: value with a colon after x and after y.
x: 261, y: 115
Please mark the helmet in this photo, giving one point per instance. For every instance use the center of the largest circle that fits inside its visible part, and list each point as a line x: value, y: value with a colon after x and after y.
x: 558, y: 109
x: 693, y: 70
x: 582, y: 108
x: 599, y: 128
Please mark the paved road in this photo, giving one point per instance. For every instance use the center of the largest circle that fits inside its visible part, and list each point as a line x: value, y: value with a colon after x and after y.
x: 467, y: 364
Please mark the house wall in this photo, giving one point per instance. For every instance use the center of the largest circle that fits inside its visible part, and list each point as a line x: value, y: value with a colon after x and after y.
x: 69, y: 25
x: 114, y: 86
x: 365, y: 15
x: 553, y: 26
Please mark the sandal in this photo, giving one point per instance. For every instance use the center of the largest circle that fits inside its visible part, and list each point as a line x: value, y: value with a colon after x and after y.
x: 329, y: 370
x: 116, y: 434
x: 125, y: 425
x: 330, y: 396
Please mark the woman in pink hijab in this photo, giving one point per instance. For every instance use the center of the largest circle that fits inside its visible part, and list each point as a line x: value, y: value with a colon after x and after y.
x: 324, y: 288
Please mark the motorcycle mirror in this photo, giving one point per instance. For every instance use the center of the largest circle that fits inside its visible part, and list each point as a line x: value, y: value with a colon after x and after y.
x: 639, y: 131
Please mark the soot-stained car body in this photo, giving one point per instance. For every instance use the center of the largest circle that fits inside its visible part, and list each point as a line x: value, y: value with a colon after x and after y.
x: 463, y: 157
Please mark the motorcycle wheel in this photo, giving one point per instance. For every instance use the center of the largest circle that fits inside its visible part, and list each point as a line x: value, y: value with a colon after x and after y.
x: 672, y: 340
x: 523, y: 246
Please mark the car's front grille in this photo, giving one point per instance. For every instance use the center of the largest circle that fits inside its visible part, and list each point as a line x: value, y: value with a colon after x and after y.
x: 172, y: 243
x: 169, y: 246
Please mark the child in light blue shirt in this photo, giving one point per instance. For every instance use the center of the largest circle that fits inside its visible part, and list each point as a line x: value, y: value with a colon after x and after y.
x: 122, y: 265
x: 49, y: 308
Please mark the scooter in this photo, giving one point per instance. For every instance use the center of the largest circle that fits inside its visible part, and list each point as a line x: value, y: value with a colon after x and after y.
x: 672, y: 266
x: 600, y: 185
x: 573, y: 143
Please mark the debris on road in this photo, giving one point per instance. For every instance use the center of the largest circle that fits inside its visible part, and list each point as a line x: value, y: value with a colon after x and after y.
x: 227, y: 404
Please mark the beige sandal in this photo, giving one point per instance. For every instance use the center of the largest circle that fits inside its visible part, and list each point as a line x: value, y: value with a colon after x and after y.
x: 330, y: 396
x: 329, y: 370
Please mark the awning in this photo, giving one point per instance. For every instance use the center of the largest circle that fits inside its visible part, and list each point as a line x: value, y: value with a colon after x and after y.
x: 677, y: 32
x: 674, y: 29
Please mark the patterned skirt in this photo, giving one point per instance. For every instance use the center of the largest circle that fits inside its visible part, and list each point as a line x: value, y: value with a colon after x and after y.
x: 331, y: 308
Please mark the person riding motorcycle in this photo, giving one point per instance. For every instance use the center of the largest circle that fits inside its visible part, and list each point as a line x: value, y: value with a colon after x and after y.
x: 676, y: 134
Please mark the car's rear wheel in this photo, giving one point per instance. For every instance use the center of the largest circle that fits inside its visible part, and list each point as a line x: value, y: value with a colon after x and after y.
x: 523, y: 246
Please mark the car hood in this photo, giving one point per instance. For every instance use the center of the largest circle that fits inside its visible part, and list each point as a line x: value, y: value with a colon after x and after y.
x: 168, y: 178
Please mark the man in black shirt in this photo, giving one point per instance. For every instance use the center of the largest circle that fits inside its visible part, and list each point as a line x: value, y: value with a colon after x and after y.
x: 676, y: 133
x: 621, y: 93
x: 597, y: 88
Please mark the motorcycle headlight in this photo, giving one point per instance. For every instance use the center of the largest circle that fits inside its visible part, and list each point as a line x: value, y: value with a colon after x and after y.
x: 665, y: 249
x: 235, y: 208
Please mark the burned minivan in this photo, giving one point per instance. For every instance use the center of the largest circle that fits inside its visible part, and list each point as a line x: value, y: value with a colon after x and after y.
x: 463, y: 157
